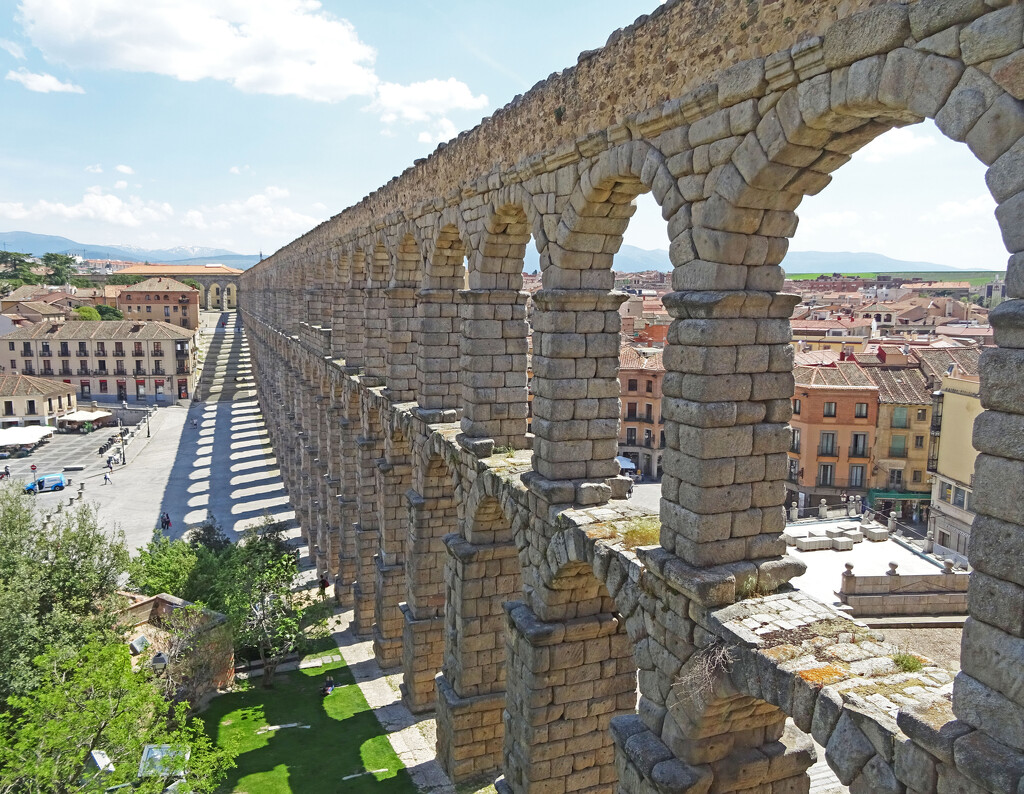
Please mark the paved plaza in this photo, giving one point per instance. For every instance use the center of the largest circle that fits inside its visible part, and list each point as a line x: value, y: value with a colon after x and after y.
x: 223, y: 466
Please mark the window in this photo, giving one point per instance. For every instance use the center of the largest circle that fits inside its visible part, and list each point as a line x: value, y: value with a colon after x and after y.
x: 49, y: 404
x: 64, y: 349
x: 922, y: 414
x: 895, y: 479
x: 960, y: 498
x: 796, y: 407
x: 650, y: 387
x: 795, y: 444
x: 918, y: 442
x: 860, y: 410
x: 10, y: 345
x: 31, y: 407
x: 14, y: 364
x: 103, y: 387
x: 631, y: 436
x: 945, y: 492
x: 102, y: 364
x: 147, y: 297
x: 631, y: 384
x: 149, y: 309
x: 85, y: 387
x: 857, y: 476
x: 859, y: 445
x: 649, y: 412
x: 898, y: 447
x: 829, y: 410
x: 8, y: 408
x: 794, y: 469
x: 44, y: 349
x: 827, y: 444
x: 826, y: 474
x: 631, y: 410
x: 917, y: 475
x: 899, y: 416
x: 167, y: 311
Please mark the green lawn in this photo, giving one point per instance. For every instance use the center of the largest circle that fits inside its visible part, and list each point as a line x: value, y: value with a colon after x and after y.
x: 344, y: 738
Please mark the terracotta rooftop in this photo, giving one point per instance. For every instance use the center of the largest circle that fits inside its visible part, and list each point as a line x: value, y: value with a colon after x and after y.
x: 840, y: 375
x: 26, y: 386
x: 42, y: 307
x: 179, y: 270
x: 935, y: 361
x: 159, y: 284
x: 630, y: 359
x: 101, y: 329
x: 902, y: 386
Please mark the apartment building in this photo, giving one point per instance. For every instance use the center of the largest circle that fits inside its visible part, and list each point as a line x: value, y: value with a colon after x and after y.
x: 951, y: 461
x: 163, y: 299
x: 122, y: 359
x: 835, y: 410
x: 899, y: 478
x: 642, y: 426
x: 34, y: 401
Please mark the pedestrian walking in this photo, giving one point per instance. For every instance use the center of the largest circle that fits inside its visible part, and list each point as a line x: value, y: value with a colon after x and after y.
x: 323, y: 585
x: 195, y: 424
x: 106, y: 479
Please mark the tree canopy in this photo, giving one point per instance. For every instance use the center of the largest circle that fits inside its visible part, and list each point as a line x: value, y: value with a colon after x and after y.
x: 109, y: 312
x: 17, y: 267
x: 125, y: 280
x: 61, y: 268
x: 86, y: 313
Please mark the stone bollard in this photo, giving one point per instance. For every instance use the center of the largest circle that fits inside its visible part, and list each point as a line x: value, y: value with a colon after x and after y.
x: 858, y: 505
x: 823, y: 510
x: 947, y: 565
x: 892, y: 569
x: 794, y: 511
x: 892, y: 522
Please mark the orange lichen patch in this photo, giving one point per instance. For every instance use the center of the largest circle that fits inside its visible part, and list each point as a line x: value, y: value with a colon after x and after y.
x: 782, y: 653
x: 822, y: 676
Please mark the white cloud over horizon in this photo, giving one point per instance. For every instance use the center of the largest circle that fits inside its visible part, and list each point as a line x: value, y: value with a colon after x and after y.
x: 276, y: 47
x: 42, y: 83
x: 124, y: 169
x: 13, y: 49
x: 96, y: 206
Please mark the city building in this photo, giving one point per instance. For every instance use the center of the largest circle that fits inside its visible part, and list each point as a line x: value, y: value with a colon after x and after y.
x: 951, y: 461
x: 836, y: 334
x: 108, y: 359
x: 642, y: 429
x: 162, y: 299
x: 28, y: 400
x: 835, y: 410
x: 899, y: 460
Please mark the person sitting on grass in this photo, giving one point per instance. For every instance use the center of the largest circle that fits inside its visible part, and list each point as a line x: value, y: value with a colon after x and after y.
x: 328, y: 686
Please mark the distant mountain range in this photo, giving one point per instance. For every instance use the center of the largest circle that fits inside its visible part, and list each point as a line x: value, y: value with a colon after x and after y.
x: 39, y: 244
x: 629, y: 259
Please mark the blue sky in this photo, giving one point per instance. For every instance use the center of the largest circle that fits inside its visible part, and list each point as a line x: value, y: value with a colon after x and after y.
x: 242, y: 123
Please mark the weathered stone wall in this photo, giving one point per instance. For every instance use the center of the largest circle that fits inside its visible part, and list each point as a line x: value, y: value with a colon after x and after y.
x: 488, y: 561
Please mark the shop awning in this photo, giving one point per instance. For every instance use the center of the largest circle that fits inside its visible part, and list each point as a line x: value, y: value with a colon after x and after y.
x: 625, y: 463
x: 24, y: 436
x: 85, y: 416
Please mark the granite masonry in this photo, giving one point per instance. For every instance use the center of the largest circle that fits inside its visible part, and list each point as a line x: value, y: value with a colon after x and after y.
x: 390, y: 349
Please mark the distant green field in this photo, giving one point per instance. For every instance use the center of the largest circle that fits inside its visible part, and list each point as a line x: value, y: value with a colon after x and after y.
x: 974, y: 277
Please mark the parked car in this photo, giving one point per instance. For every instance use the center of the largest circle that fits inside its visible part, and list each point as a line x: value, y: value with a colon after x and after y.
x: 48, y: 482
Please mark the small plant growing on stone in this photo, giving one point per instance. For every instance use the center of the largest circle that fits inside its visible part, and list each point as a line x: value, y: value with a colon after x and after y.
x: 907, y: 662
x: 699, y: 675
x: 559, y: 114
x: 508, y: 452
x: 642, y: 531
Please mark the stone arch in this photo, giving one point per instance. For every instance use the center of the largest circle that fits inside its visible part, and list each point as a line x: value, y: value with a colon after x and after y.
x: 230, y: 296
x: 482, y: 575
x: 439, y: 325
x: 435, y: 505
x: 400, y: 308
x: 493, y: 338
x: 214, y: 296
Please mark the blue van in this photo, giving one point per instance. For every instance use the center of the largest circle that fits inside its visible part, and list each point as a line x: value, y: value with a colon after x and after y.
x: 48, y: 482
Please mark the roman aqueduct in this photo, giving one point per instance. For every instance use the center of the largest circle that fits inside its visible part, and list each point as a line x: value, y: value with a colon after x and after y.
x: 391, y: 354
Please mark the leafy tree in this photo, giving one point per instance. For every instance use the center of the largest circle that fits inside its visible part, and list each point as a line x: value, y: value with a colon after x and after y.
x: 210, y: 536
x: 200, y: 655
x: 86, y: 313
x: 266, y: 615
x: 92, y: 699
x: 109, y: 312
x: 17, y: 267
x: 58, y: 583
x: 125, y: 280
x: 62, y: 268
x: 192, y: 283
x: 163, y: 566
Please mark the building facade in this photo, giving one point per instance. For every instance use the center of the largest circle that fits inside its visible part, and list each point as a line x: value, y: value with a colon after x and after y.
x: 27, y: 400
x: 163, y: 299
x: 642, y: 426
x: 120, y: 359
x: 835, y: 410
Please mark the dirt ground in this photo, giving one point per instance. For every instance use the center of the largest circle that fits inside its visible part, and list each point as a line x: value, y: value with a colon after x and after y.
x: 940, y: 645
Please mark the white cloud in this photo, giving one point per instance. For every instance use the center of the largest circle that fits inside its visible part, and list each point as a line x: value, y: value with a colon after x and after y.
x: 94, y: 169
x: 239, y: 169
x: 261, y: 214
x: 120, y: 184
x: 276, y: 47
x: 95, y: 206
x: 124, y: 169
x: 13, y: 49
x: 979, y: 206
x: 896, y: 144
x: 43, y: 83
x: 443, y: 130
x: 425, y: 100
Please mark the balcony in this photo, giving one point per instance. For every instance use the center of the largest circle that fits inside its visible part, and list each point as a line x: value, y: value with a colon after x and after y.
x: 839, y: 482
x: 827, y: 451
x: 66, y: 372
x: 28, y: 370
x: 900, y: 452
x: 27, y: 353
x: 82, y: 353
x: 159, y: 371
x: 139, y: 353
x: 859, y: 451
x: 183, y: 369
x: 139, y: 371
x: 45, y: 371
x: 158, y: 352
x: 120, y: 371
x: 178, y: 353
x: 83, y: 371
x: 900, y: 424
x: 795, y: 448
x: 118, y: 353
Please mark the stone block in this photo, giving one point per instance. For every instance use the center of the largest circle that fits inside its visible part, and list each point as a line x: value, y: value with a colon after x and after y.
x: 930, y: 724
x: 993, y: 657
x: 877, y: 30
x: 936, y: 79
x: 988, y: 711
x: 999, y: 127
x: 993, y: 35
x: 1005, y: 177
x: 930, y: 16
x: 1002, y: 388
x: 989, y: 763
x: 848, y: 749
x: 914, y: 767
x: 997, y: 484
